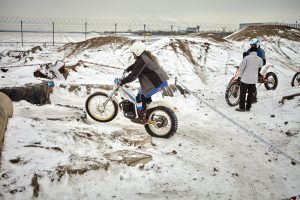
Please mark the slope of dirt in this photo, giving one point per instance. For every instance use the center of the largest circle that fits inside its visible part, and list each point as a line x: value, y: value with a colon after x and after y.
x: 75, y: 48
x: 266, y: 31
x: 216, y: 37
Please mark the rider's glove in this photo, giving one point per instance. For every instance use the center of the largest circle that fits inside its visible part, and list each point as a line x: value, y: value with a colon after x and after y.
x: 239, y: 79
x: 117, y: 81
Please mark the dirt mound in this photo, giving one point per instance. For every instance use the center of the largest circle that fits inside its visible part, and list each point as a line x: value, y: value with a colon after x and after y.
x: 96, y: 42
x: 216, y: 37
x: 264, y: 31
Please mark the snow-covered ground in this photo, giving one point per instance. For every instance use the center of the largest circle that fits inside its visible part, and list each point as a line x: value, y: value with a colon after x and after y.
x: 217, y: 153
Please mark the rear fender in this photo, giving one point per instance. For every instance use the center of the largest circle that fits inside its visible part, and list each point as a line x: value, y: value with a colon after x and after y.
x: 161, y: 103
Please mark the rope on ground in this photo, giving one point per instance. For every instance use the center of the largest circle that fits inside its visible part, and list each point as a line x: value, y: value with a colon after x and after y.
x: 81, y: 61
x: 28, y: 65
x: 242, y: 127
x: 102, y: 65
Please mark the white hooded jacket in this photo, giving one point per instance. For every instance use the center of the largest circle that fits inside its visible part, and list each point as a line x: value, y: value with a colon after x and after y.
x: 249, y: 68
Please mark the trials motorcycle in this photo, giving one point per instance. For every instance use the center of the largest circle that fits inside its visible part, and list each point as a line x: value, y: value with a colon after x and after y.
x: 232, y: 93
x: 161, y: 120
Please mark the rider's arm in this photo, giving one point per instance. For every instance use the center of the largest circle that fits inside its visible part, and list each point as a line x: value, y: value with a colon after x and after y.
x: 129, y: 68
x: 137, y: 68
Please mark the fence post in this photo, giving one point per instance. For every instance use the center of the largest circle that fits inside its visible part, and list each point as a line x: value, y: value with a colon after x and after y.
x: 144, y: 31
x: 53, y: 32
x: 223, y: 32
x: 22, y: 32
x: 116, y: 28
x: 85, y: 29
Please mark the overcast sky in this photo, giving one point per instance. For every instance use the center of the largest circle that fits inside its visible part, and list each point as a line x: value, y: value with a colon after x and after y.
x: 202, y: 11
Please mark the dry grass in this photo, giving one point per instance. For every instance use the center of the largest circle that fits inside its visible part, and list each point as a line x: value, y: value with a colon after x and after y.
x: 184, y: 47
x: 216, y: 37
x: 96, y: 42
x: 264, y: 31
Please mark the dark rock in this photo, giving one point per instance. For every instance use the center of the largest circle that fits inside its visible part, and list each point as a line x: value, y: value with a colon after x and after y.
x: 215, y: 169
x: 33, y: 93
x: 4, y: 70
x: 272, y: 116
x: 293, y: 162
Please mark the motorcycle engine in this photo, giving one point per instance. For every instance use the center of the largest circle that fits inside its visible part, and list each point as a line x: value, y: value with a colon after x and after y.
x: 128, y: 109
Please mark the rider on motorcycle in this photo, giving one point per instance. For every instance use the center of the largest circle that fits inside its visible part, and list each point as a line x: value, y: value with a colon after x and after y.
x: 151, y: 76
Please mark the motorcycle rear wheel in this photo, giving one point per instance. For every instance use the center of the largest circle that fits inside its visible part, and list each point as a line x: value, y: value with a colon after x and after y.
x: 165, y: 122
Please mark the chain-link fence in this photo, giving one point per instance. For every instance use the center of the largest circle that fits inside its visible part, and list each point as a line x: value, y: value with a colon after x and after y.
x: 51, y: 31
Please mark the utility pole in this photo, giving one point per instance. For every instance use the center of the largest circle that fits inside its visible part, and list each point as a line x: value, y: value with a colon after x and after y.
x: 22, y: 32
x: 198, y: 28
x: 171, y: 29
x: 223, y: 32
x: 85, y: 29
x: 53, y: 32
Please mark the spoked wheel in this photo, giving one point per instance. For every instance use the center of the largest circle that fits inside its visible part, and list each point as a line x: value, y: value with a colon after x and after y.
x: 163, y: 122
x: 271, y: 81
x: 232, y: 94
x: 296, y: 80
x: 96, y: 110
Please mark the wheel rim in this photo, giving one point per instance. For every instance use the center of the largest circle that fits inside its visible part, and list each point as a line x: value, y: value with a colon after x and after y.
x: 97, y: 110
x: 163, y: 123
x: 271, y: 81
x: 297, y: 80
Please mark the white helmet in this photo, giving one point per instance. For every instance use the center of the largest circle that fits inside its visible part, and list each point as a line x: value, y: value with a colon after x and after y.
x: 255, y: 41
x: 138, y: 48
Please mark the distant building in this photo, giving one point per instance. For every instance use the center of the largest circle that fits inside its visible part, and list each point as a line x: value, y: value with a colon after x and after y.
x: 243, y: 25
x: 191, y: 30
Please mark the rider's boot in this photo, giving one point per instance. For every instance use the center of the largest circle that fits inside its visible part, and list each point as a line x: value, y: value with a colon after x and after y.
x: 142, y: 119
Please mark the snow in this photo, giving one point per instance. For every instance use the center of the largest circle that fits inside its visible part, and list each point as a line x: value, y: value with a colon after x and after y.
x: 209, y: 157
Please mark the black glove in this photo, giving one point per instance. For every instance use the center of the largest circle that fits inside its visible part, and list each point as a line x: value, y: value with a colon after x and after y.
x: 122, y: 83
x: 238, y: 80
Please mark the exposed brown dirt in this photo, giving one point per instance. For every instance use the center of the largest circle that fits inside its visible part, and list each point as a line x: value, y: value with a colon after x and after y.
x: 217, y: 37
x: 15, y: 161
x: 61, y: 170
x: 35, y: 184
x: 264, y: 31
x: 38, y: 146
x: 184, y: 47
x: 96, y: 42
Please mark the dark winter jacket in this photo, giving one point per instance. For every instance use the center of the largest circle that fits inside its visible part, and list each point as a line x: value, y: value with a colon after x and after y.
x: 149, y: 73
x: 260, y: 53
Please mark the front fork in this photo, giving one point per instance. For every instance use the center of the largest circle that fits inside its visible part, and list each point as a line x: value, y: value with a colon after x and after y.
x: 111, y: 95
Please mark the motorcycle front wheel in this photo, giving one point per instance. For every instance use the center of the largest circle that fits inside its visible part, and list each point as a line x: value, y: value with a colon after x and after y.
x: 163, y: 122
x: 96, y: 110
x: 232, y: 94
x: 296, y: 80
x: 271, y: 81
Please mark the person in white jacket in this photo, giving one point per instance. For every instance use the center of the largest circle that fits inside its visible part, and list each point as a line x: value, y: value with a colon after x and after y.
x: 248, y: 78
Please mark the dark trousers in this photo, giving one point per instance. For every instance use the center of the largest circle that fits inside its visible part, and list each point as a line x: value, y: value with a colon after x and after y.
x: 243, y: 90
x: 140, y: 98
